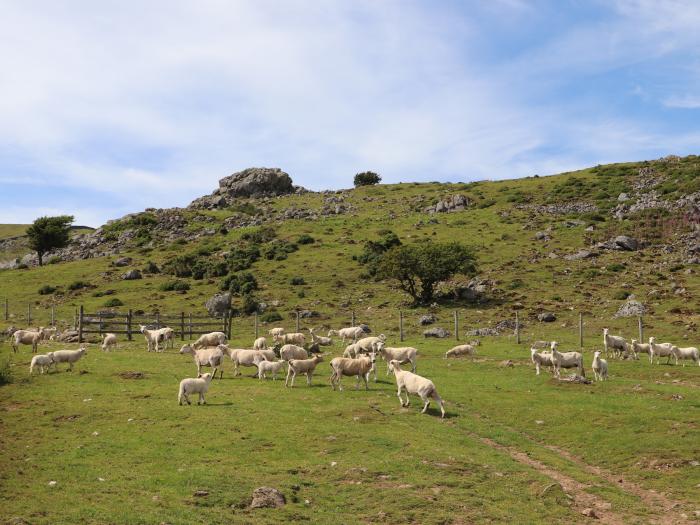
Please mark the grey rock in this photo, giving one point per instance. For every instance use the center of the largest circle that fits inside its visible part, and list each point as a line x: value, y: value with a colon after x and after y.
x: 425, y: 320
x: 623, y: 197
x: 630, y: 309
x: 547, y: 317
x: 219, y: 304
x: 132, y: 275
x: 484, y: 332
x: 436, y: 332
x: 267, y: 497
x: 626, y: 243
x: 542, y: 236
x: 308, y: 314
x: 122, y: 261
x: 581, y: 254
x: 366, y: 329
x: 450, y: 204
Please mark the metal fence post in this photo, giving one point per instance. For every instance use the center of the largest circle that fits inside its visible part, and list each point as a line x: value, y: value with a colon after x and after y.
x: 29, y: 313
x: 80, y: 325
x: 53, y: 315
x: 640, y: 324
x: 256, y: 324
x: 157, y: 320
x: 99, y: 318
x: 580, y: 329
x: 190, y: 319
x: 7, y: 309
x: 352, y: 318
x: 128, y: 324
x: 230, y: 322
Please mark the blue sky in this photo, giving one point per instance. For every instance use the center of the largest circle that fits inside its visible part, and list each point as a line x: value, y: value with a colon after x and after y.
x: 110, y: 107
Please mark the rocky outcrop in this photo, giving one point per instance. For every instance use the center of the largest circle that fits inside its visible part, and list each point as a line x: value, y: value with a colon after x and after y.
x: 267, y: 497
x: 631, y: 308
x: 219, y: 304
x: 132, y: 275
x: 563, y: 208
x: 251, y: 182
x: 450, y: 204
x: 438, y: 332
x: 425, y: 320
x: 621, y: 242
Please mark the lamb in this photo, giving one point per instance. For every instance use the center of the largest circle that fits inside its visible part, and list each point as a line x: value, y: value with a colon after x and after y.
x: 403, y: 355
x: 153, y: 338
x: 270, y: 366
x: 276, y: 332
x: 640, y: 348
x: 109, y: 340
x: 213, y: 357
x: 210, y: 339
x: 600, y: 367
x: 42, y: 361
x: 320, y: 340
x: 26, y: 337
x: 296, y: 338
x: 242, y: 357
x: 302, y: 366
x: 686, y: 353
x: 47, y: 334
x: 260, y: 344
x: 67, y: 356
x: 190, y: 385
x: 566, y: 360
x: 288, y: 352
x: 415, y: 384
x: 541, y: 359
x: 353, y: 332
x: 460, y: 350
x: 614, y: 342
x: 167, y: 334
x: 360, y: 367
x: 660, y: 350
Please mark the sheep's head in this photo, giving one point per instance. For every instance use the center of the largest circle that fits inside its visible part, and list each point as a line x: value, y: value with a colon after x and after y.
x: 394, y: 365
x: 596, y: 354
x: 652, y: 340
x: 605, y: 332
x: 553, y: 345
x: 186, y: 349
x: 382, y: 337
x: 207, y: 377
x: 634, y: 342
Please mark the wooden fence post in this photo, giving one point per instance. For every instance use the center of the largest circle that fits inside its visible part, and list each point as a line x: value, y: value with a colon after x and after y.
x: 157, y: 320
x: 29, y: 314
x: 580, y: 330
x: 456, y: 326
x: 99, y: 318
x: 517, y: 328
x: 230, y: 322
x: 256, y: 324
x: 182, y: 326
x: 190, y: 319
x: 400, y: 325
x: 352, y: 318
x: 224, y: 317
x: 297, y: 321
x: 53, y: 315
x: 7, y: 309
x: 75, y: 319
x: 80, y: 325
x: 128, y: 324
x: 640, y: 324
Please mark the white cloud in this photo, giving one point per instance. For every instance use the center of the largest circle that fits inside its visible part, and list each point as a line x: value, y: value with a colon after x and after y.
x: 683, y: 101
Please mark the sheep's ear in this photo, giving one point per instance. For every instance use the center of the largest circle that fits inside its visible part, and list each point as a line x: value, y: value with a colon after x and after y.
x: 199, y: 375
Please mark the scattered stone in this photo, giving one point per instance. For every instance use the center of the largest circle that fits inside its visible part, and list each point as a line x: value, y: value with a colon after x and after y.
x: 267, y: 497
x: 132, y: 375
x: 623, y: 197
x: 626, y: 243
x: 219, y: 304
x: 575, y: 378
x: 200, y: 493
x: 438, y: 332
x: 308, y: 314
x: 450, y: 204
x: 547, y: 317
x: 542, y: 236
x: 581, y: 254
x: 590, y: 513
x: 122, y: 261
x: 132, y: 275
x: 366, y: 329
x: 425, y: 320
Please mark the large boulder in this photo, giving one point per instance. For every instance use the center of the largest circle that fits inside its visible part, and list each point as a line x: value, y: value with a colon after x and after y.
x: 427, y: 319
x: 546, y: 317
x: 450, y: 204
x: 267, y: 497
x: 626, y: 243
x: 438, y: 332
x: 251, y: 182
x: 219, y: 304
x: 132, y: 275
x: 630, y: 309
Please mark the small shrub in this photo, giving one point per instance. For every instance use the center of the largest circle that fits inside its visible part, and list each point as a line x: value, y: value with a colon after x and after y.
x: 621, y: 295
x: 174, y: 286
x: 305, y: 239
x: 21, y: 266
x: 79, y: 285
x: 297, y: 281
x: 301, y: 294
x: 366, y: 178
x: 515, y: 284
x: 242, y: 283
x: 260, y: 235
x: 616, y: 267
x: 5, y: 372
x: 110, y: 303
x: 271, y: 317
x: 47, y: 290
x: 151, y: 267
x: 250, y: 304
x: 103, y: 293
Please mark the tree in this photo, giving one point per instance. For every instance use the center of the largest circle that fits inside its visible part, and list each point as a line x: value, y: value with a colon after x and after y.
x: 374, y: 250
x: 366, y: 178
x: 420, y: 267
x: 49, y: 233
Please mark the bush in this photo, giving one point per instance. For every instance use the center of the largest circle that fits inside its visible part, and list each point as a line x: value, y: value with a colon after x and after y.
x: 5, y: 372
x: 151, y: 267
x: 278, y: 250
x: 297, y: 281
x: 47, y: 290
x: 242, y: 283
x: 621, y: 295
x: 110, y: 303
x: 21, y: 266
x: 260, y: 235
x: 616, y: 267
x: 79, y: 285
x: 305, y: 239
x: 271, y: 316
x: 180, y: 266
x: 366, y: 178
x: 374, y: 250
x: 174, y: 286
x: 250, y: 304
x: 103, y: 293
x: 242, y: 258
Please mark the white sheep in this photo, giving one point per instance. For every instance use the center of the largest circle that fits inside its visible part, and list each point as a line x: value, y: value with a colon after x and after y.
x: 360, y: 367
x: 42, y: 361
x: 288, y: 352
x: 276, y: 332
x: 26, y: 337
x: 265, y: 367
x: 350, y: 351
x: 600, y: 367
x: 614, y: 342
x: 153, y: 338
x: 210, y: 339
x: 212, y: 357
x: 540, y: 345
x: 295, y: 338
x: 108, y: 341
x: 353, y: 332
x: 460, y: 350
x: 320, y: 340
x: 67, y: 356
x: 242, y: 357
x: 689, y: 352
x: 660, y: 350
x: 566, y: 360
x: 415, y: 384
x: 260, y: 344
x: 541, y: 359
x: 48, y: 333
x: 302, y: 366
x: 192, y: 385
x: 367, y: 345
x: 403, y: 355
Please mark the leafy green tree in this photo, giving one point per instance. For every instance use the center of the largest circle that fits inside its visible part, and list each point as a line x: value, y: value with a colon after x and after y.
x: 374, y: 250
x: 366, y: 178
x: 420, y: 267
x: 49, y: 233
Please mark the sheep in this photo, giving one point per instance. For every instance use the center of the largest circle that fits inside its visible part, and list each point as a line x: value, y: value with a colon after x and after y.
x: 686, y: 353
x: 276, y: 332
x: 614, y: 342
x: 353, y: 332
x: 600, y: 367
x: 210, y: 339
x: 48, y: 333
x: 403, y: 355
x: 26, y: 337
x: 540, y: 345
x: 659, y: 350
x: 67, y: 356
x: 153, y: 338
x: 242, y: 357
x: 540, y: 359
x: 360, y: 367
x: 415, y: 384
x: 288, y: 352
x: 302, y: 366
x: 350, y: 351
x: 191, y: 385
x: 260, y: 344
x: 296, y: 338
x: 270, y: 366
x: 367, y: 345
x: 640, y: 348
x: 167, y: 334
x: 320, y: 340
x: 460, y: 350
x: 42, y: 361
x: 566, y: 360
x: 109, y: 340
x: 213, y: 357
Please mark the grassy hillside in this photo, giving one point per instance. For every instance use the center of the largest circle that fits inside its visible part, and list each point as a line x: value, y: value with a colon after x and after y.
x: 514, y: 447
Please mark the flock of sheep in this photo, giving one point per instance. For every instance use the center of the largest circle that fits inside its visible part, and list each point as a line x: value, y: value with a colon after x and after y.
x: 358, y: 360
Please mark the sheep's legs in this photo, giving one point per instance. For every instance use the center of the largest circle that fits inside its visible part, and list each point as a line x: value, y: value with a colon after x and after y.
x: 308, y: 378
x: 201, y: 400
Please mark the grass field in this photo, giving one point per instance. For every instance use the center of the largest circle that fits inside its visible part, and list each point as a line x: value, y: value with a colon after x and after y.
x: 123, y: 451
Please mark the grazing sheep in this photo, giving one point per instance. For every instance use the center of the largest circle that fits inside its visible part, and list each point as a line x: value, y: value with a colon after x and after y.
x: 276, y: 332
x: 660, y: 350
x: 566, y: 360
x: 288, y: 352
x: 270, y: 366
x: 353, y: 332
x: 320, y: 340
x: 459, y: 351
x: 210, y: 339
x: 26, y: 337
x: 212, y: 356
x: 360, y: 367
x: 367, y: 345
x: 600, y: 367
x: 302, y: 366
x: 260, y: 344
x: 541, y: 359
x: 689, y: 352
x: 295, y: 338
x: 109, y: 340
x: 191, y: 385
x: 350, y: 351
x: 614, y: 342
x: 640, y: 348
x: 403, y: 355
x: 415, y: 384
x: 42, y: 361
x: 67, y: 356
x: 242, y: 357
